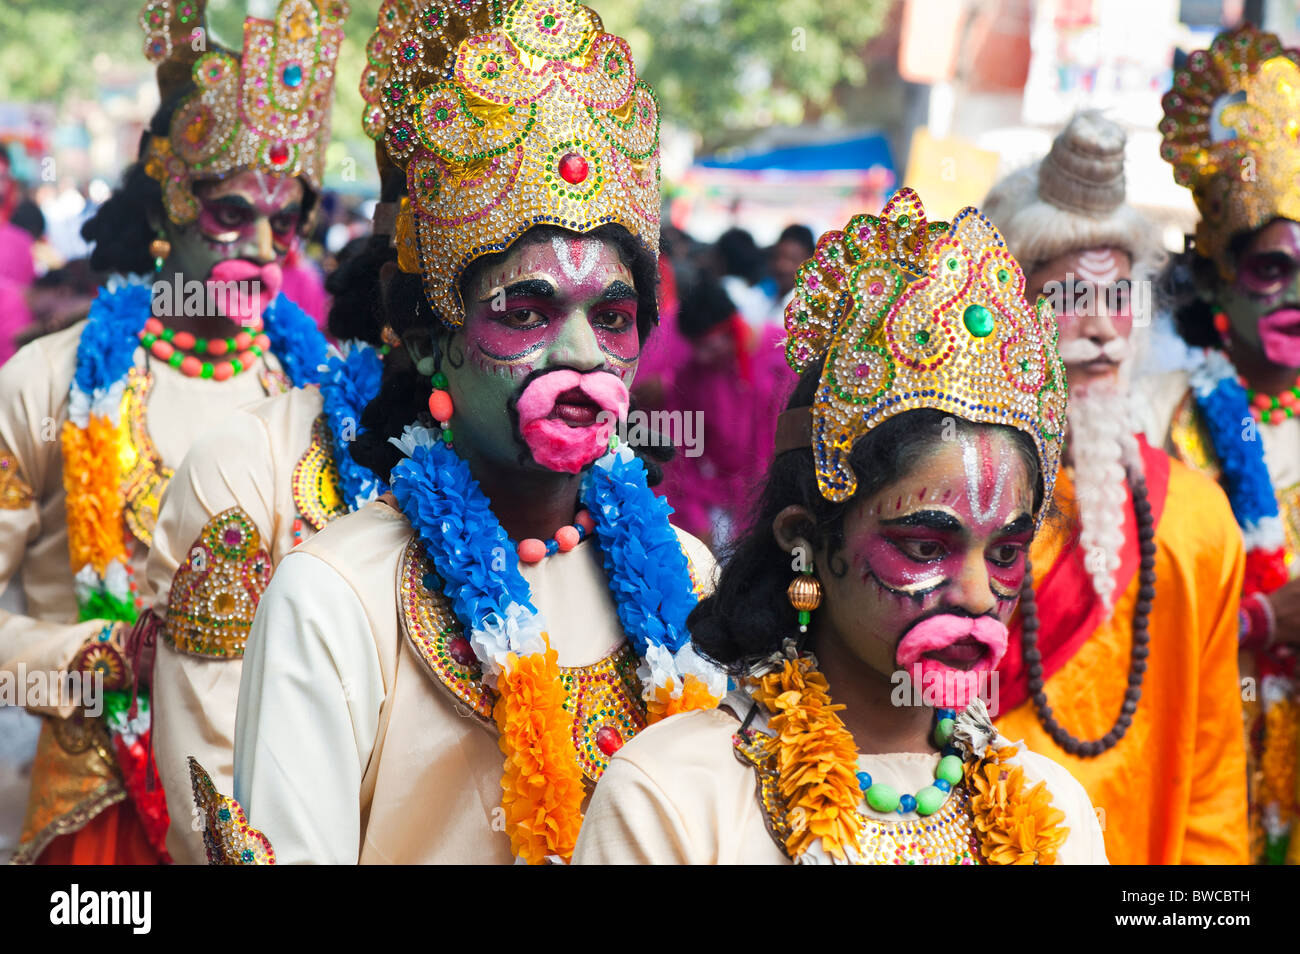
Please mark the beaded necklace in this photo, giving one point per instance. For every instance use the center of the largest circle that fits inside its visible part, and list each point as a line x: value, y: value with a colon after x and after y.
x: 170, y: 345
x: 1272, y: 408
x: 1141, y: 637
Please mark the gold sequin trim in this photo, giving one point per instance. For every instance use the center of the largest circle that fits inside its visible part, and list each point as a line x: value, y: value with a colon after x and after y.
x: 1190, y: 440
x: 216, y: 591
x: 144, y: 476
x: 945, y: 838
x: 316, y: 488
x: 227, y: 835
x: 605, y: 697
x: 15, y: 493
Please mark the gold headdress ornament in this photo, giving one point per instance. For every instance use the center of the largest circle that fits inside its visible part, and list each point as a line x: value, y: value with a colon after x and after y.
x: 1232, y: 133
x: 910, y: 314
x: 267, y: 109
x: 504, y: 121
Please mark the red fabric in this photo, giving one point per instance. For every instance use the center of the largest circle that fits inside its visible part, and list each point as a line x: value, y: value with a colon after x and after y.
x: 1069, y: 610
x: 113, y: 837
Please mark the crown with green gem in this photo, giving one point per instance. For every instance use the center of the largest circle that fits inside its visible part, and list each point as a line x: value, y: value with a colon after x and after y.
x: 267, y: 109
x: 911, y: 314
x: 503, y: 119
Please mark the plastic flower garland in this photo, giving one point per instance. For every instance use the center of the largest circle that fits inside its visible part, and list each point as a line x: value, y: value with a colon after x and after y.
x: 92, y: 478
x: 650, y: 582
x: 1226, y: 412
x: 817, y: 763
x: 350, y: 382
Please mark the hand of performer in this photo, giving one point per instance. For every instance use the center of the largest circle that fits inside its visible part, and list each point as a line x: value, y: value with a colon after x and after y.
x: 1285, y: 602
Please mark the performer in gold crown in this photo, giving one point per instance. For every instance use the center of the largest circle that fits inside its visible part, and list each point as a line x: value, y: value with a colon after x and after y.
x: 1229, y: 133
x: 541, y: 594
x: 918, y: 456
x: 93, y: 418
x: 1122, y: 662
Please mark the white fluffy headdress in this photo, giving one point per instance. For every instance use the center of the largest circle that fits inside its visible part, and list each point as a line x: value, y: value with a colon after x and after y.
x: 1074, y: 198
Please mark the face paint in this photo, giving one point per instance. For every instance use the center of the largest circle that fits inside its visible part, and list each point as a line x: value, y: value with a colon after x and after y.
x: 936, y: 562
x: 1263, y: 302
x: 566, y: 303
x: 247, y: 224
x: 1090, y: 290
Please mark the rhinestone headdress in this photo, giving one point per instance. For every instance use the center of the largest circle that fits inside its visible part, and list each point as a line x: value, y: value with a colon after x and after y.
x: 504, y: 121
x: 1232, y: 133
x: 267, y: 109
x: 914, y: 314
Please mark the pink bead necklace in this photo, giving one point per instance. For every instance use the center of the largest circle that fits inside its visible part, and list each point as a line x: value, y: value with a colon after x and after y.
x: 566, y: 538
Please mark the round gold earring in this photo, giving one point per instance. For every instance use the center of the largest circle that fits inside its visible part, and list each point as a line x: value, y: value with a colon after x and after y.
x: 805, y: 595
x: 159, y: 248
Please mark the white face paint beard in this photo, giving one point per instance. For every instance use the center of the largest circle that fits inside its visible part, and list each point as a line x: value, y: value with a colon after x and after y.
x: 1102, y: 445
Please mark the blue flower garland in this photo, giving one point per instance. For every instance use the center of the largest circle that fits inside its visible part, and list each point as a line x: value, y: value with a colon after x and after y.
x: 643, y: 557
x: 347, y: 386
x: 295, y: 341
x: 648, y: 572
x: 1226, y: 411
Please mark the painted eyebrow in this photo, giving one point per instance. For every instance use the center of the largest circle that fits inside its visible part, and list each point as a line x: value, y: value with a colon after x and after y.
x: 1022, y: 524
x: 528, y: 288
x: 929, y: 519
x: 618, y: 291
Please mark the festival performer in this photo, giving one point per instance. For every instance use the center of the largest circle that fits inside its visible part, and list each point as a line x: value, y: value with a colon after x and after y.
x: 92, y: 419
x: 1229, y: 135
x: 521, y: 592
x: 1122, y: 664
x: 915, y: 461
x: 227, y: 521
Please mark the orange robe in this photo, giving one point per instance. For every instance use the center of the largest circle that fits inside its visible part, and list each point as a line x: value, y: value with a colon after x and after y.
x: 1173, y: 790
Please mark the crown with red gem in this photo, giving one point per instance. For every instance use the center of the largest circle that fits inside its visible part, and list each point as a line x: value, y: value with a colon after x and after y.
x: 912, y: 314
x: 1231, y: 131
x: 504, y: 119
x: 267, y: 109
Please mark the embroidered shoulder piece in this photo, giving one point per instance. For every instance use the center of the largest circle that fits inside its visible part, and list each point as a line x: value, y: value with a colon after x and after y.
x: 215, y: 592
x: 15, y: 493
x: 316, y: 487
x: 605, y: 697
x: 1190, y: 440
x: 227, y: 836
x: 750, y: 749
x: 144, y: 476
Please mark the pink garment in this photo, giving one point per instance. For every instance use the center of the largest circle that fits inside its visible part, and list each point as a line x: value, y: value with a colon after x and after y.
x: 665, y: 350
x: 16, y: 262
x: 303, y: 285
x: 14, y: 316
x: 738, y: 420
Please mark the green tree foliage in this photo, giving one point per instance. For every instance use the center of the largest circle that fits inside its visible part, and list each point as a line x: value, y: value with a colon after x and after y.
x: 721, y: 65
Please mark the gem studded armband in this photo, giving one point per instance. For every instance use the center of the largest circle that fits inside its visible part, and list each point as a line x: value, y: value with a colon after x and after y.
x: 227, y: 836
x: 105, y: 654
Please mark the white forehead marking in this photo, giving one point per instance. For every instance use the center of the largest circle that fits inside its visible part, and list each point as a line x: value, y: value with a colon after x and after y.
x: 971, y: 463
x: 573, y: 270
x: 269, y: 195
x: 1099, y: 265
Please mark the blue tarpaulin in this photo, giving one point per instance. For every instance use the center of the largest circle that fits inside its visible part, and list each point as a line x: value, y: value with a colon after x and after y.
x: 859, y: 153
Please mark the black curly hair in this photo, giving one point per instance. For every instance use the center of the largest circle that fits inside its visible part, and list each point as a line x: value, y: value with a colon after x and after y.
x: 404, y: 394
x: 748, y: 615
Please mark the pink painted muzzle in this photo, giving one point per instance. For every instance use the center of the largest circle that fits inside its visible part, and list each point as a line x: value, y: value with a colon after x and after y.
x: 245, y: 303
x: 978, y: 644
x: 566, y: 418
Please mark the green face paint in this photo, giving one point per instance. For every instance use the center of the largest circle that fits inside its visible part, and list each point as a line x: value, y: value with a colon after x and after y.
x: 1262, y: 301
x: 564, y: 302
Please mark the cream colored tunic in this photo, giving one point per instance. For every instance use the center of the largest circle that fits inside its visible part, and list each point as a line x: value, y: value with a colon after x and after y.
x: 247, y: 461
x: 347, y: 749
x: 34, y: 539
x: 677, y: 794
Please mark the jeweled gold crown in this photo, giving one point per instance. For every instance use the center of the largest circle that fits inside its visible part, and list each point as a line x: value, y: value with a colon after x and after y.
x: 914, y: 314
x: 1232, y: 133
x: 268, y: 109
x: 503, y: 122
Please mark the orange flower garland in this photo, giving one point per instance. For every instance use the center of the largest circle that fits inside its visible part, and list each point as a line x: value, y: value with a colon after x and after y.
x: 816, y: 759
x: 1017, y: 825
x: 542, y: 783
x: 816, y: 763
x: 694, y: 695
x: 92, y: 482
